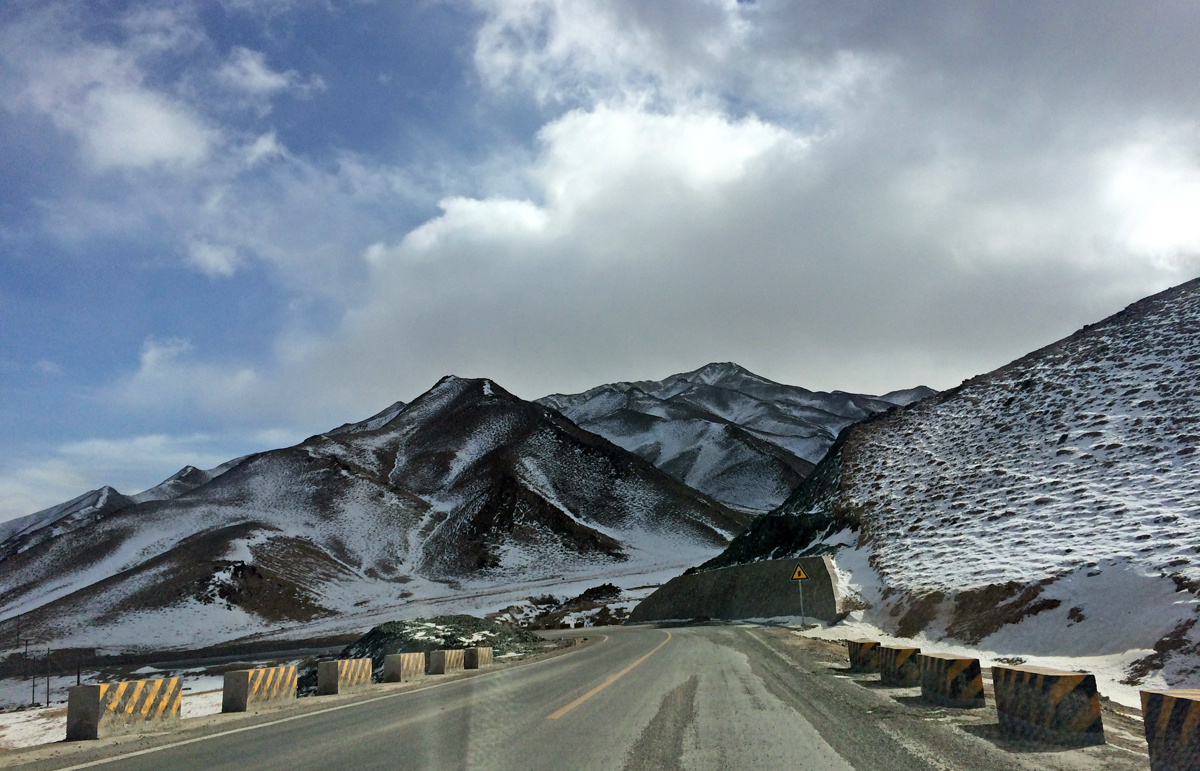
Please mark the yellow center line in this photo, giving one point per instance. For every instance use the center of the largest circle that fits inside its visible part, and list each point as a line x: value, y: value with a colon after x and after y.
x: 606, y: 683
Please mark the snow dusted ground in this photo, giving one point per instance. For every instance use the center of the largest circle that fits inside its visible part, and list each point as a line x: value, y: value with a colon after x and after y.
x: 1048, y: 508
x: 1109, y: 670
x: 721, y: 429
x: 481, y: 599
x: 1121, y: 603
x: 26, y: 727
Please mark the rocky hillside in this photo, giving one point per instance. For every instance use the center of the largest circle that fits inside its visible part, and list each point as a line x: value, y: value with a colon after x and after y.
x: 738, y: 437
x: 467, y: 492
x: 1052, y: 502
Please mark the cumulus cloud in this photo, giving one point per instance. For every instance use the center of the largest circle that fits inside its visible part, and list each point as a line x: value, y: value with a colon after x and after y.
x: 829, y: 199
x: 857, y: 196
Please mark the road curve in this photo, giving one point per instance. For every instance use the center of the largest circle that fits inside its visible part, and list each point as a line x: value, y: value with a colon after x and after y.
x: 703, y: 697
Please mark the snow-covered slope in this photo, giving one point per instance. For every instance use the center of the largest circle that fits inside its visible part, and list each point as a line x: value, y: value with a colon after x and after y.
x: 744, y: 440
x: 25, y: 532
x: 1050, y: 506
x: 465, y: 491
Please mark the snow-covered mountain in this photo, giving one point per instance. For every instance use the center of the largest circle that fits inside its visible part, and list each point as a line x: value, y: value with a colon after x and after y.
x: 461, y: 493
x: 742, y: 439
x: 1049, y: 506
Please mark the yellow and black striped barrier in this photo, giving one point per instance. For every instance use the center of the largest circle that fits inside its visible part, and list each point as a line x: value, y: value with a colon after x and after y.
x: 898, y: 665
x: 441, y: 662
x: 476, y: 658
x: 244, y: 688
x: 403, y: 666
x: 1048, y: 704
x: 94, y: 711
x: 1172, y: 721
x: 342, y: 675
x: 951, y: 681
x: 863, y: 654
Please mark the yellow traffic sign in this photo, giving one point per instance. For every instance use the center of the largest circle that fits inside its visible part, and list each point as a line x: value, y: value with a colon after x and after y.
x: 799, y: 575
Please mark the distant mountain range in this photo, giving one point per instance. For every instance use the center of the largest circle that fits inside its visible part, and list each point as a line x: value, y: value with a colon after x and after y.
x: 465, y: 489
x: 1048, y: 506
x: 744, y: 440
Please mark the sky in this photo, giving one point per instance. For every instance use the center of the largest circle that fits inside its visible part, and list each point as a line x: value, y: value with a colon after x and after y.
x: 231, y: 224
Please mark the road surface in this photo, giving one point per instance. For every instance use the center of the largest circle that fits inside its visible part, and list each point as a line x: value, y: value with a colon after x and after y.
x: 698, y: 697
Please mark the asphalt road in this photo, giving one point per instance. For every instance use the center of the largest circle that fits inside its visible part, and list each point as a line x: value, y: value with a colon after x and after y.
x: 703, y: 697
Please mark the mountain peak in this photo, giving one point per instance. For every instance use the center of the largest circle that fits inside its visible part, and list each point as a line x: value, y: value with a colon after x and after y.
x: 716, y: 373
x: 454, y: 387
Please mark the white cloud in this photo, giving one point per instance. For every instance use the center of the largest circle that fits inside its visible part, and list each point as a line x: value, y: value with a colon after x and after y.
x: 247, y: 71
x: 47, y: 367
x: 98, y: 94
x: 129, y: 464
x: 264, y: 148
x: 215, y: 260
x: 668, y: 54
x: 170, y: 377
x: 1154, y: 189
x: 833, y: 196
x: 36, y: 485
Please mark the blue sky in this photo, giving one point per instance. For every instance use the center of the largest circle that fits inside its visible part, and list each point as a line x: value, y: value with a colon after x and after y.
x: 228, y: 225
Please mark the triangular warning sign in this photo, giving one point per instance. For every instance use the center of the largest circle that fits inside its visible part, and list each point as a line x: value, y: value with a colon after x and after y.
x: 799, y: 574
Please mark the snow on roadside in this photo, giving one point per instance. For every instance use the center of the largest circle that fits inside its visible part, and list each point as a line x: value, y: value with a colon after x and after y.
x: 1109, y: 669
x: 43, y: 725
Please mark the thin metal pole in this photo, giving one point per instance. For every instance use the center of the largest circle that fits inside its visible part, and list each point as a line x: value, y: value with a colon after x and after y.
x: 47, y: 675
x: 32, y: 678
x: 802, y: 618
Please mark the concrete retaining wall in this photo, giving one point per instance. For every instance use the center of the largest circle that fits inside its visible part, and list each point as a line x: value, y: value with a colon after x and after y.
x: 342, y: 675
x: 475, y: 658
x: 757, y: 590
x: 1172, y: 729
x: 951, y: 681
x: 245, y: 688
x: 96, y: 711
x: 441, y: 662
x: 1048, y: 704
x: 898, y: 666
x: 403, y: 666
x: 863, y: 655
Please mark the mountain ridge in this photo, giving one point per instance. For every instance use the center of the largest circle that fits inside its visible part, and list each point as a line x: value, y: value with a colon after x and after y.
x: 467, y: 485
x: 744, y: 439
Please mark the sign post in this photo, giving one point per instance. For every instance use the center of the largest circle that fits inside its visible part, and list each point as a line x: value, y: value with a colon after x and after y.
x: 800, y: 577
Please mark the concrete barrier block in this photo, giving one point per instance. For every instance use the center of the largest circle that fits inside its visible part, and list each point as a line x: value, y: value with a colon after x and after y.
x: 246, y: 688
x: 951, y: 681
x: 475, y: 658
x: 398, y: 667
x: 441, y: 662
x: 1172, y: 719
x: 898, y: 665
x: 1048, y: 704
x: 342, y: 676
x: 863, y: 654
x: 96, y: 711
